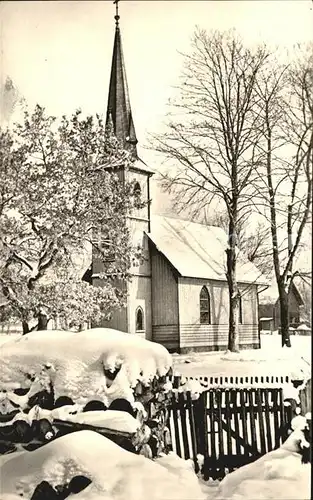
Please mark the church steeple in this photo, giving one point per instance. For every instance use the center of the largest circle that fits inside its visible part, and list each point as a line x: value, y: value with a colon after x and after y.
x: 119, y: 110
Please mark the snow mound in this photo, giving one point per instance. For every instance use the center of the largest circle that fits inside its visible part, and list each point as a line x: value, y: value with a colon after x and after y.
x: 116, y: 474
x: 109, y: 419
x: 278, y: 475
x: 114, y: 420
x: 79, y: 364
x: 192, y: 386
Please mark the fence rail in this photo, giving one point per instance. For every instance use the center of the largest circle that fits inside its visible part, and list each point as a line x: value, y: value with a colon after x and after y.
x: 272, y: 380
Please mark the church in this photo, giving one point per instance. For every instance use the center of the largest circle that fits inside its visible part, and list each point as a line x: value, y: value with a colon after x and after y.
x: 178, y: 295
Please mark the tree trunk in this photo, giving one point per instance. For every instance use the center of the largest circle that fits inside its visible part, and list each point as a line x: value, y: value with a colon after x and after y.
x: 25, y: 327
x: 284, y: 316
x: 233, y: 332
x: 42, y: 322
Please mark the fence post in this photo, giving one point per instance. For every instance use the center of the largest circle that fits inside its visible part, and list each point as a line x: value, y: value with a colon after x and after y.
x: 200, y: 416
x: 305, y: 398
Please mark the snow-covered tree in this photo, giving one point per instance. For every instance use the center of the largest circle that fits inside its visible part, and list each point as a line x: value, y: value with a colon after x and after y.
x: 61, y: 198
x: 211, y: 139
x: 285, y: 147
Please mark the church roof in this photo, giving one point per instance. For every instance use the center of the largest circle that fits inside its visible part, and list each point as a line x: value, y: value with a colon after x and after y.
x: 198, y: 251
x: 140, y: 165
x: 119, y: 109
x: 270, y: 295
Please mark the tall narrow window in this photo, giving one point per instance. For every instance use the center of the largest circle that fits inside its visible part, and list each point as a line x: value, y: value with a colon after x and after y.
x: 137, y: 189
x: 240, y: 317
x: 205, y: 306
x: 139, y: 320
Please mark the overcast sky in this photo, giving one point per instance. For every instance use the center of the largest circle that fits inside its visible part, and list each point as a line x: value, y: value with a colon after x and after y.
x: 58, y: 53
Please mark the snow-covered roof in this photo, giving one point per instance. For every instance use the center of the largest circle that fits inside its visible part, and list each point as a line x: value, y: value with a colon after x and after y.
x: 140, y: 165
x: 270, y: 295
x: 303, y: 327
x: 198, y: 251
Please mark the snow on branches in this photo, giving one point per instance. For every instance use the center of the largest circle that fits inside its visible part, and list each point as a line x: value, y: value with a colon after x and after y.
x: 62, y: 199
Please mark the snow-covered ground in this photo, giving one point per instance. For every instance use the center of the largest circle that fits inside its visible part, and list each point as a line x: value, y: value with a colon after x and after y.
x: 6, y: 337
x: 117, y: 474
x: 270, y: 360
x: 77, y: 363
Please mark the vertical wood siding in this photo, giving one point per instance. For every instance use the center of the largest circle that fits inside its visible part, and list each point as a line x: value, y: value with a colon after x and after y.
x: 164, y: 301
x: 164, y: 292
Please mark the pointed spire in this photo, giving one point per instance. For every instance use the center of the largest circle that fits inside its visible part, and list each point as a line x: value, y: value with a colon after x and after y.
x: 119, y: 110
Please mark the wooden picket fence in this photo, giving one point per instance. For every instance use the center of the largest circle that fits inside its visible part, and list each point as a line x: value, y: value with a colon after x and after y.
x: 306, y: 398
x: 273, y: 380
x: 230, y: 427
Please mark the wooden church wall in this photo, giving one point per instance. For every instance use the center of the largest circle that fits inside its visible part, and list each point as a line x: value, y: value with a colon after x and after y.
x: 214, y: 336
x: 164, y: 295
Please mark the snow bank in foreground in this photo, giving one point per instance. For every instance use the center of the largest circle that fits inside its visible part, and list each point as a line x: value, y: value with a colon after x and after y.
x: 278, y: 475
x: 79, y: 364
x: 116, y: 474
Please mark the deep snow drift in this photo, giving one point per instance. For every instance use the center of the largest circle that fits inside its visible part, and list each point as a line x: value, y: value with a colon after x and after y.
x: 278, y: 475
x: 77, y: 363
x: 116, y: 474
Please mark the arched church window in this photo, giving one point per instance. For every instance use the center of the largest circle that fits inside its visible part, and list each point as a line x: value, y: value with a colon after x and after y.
x: 205, y: 306
x: 137, y: 189
x: 139, y: 320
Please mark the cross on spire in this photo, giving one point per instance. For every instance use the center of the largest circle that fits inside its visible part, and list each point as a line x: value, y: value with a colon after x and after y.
x: 116, y: 17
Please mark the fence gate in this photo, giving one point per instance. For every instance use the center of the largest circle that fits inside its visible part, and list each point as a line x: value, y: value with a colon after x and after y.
x: 229, y: 427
